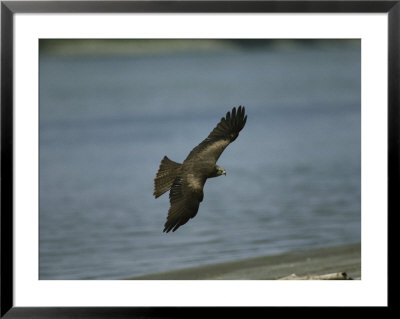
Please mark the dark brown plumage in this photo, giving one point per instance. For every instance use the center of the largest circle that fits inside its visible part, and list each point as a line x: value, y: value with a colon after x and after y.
x: 186, y: 181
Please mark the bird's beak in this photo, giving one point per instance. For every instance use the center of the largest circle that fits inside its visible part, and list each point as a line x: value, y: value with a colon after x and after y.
x: 224, y: 173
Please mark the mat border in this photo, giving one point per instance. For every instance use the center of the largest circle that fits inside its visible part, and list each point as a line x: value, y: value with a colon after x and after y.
x: 9, y: 8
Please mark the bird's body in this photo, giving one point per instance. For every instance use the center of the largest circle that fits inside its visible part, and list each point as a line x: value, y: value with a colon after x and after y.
x: 186, y: 181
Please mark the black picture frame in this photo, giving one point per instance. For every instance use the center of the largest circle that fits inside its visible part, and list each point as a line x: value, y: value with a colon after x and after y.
x: 9, y: 8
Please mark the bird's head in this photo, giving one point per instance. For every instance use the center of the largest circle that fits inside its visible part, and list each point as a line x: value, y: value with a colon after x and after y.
x: 220, y: 171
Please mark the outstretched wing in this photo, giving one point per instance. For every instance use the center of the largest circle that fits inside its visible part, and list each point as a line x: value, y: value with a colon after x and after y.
x: 226, y: 131
x: 185, y: 197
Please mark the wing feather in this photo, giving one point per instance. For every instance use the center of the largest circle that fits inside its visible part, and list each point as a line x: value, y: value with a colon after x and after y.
x: 226, y: 131
x: 185, y: 201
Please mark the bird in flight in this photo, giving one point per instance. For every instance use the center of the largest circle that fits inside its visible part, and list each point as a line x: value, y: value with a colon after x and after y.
x: 186, y: 181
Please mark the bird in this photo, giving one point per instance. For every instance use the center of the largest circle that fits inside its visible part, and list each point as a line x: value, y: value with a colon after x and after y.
x: 186, y: 181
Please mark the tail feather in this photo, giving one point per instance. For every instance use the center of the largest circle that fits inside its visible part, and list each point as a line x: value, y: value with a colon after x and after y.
x: 166, y: 175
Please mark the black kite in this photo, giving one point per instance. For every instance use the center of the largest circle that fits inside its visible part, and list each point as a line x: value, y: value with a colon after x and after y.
x: 186, y: 180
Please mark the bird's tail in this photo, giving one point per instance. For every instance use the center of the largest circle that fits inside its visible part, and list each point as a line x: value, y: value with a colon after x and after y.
x: 166, y: 175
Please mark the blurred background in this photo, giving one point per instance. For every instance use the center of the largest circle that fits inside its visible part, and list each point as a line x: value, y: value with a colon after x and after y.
x: 111, y: 109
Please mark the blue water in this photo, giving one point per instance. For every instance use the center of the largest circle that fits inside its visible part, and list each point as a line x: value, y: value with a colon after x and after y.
x: 293, y: 174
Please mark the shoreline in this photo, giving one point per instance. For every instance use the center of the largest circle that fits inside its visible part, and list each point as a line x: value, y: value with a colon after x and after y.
x: 140, y: 47
x: 311, y: 262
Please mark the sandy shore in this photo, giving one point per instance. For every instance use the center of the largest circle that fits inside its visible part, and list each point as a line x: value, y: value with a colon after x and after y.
x: 318, y: 261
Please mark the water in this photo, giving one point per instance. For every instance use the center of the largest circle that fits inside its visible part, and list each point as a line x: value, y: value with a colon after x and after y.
x: 293, y: 174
